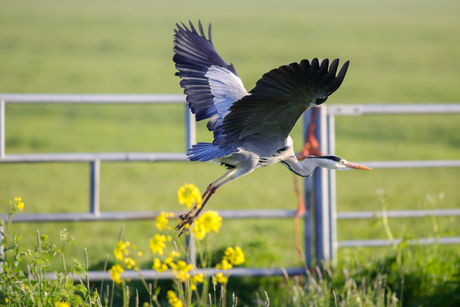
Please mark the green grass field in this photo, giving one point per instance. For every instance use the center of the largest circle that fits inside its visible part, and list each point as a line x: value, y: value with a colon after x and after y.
x: 400, y: 52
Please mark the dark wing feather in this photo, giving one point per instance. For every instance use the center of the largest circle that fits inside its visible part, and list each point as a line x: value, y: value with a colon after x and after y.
x: 211, y: 85
x: 279, y: 98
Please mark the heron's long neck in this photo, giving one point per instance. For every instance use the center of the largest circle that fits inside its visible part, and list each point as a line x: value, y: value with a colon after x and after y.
x: 304, y: 168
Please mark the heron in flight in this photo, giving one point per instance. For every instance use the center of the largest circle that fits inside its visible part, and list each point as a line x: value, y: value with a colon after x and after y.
x: 251, y: 129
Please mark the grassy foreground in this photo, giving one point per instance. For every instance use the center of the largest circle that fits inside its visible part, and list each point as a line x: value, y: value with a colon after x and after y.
x: 404, y: 276
x: 400, y: 52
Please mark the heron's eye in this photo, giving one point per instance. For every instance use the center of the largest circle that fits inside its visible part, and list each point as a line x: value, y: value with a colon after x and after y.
x: 341, y: 161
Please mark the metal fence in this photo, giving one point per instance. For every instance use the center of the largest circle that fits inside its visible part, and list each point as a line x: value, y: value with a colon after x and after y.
x: 326, y: 215
x: 321, y: 185
x: 95, y: 159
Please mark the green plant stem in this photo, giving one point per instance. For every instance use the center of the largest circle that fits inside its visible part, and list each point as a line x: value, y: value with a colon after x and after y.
x: 387, y: 227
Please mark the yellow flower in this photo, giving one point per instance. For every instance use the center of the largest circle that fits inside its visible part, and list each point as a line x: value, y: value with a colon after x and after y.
x: 224, y: 265
x: 181, y: 270
x: 173, y: 299
x: 183, y: 266
x: 62, y: 304
x: 18, y: 203
x: 115, y: 272
x: 120, y: 250
x: 208, y: 221
x: 158, y: 266
x: 162, y: 220
x: 183, y: 276
x: 189, y: 194
x: 198, y: 278
x: 220, y: 278
x: 130, y: 263
x: 171, y: 257
x: 157, y: 244
x: 234, y: 256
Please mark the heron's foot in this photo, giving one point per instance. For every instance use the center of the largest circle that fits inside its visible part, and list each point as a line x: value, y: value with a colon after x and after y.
x: 185, y: 223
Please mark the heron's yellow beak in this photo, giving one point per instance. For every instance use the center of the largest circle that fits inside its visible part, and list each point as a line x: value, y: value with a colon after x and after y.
x: 356, y: 166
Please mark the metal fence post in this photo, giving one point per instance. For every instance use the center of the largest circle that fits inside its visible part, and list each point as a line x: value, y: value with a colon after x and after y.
x: 332, y: 190
x: 2, y: 129
x: 190, y: 139
x: 321, y: 195
x: 308, y: 183
x: 95, y: 170
x: 191, y: 248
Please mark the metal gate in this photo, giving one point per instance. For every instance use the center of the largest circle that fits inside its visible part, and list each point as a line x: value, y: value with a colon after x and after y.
x: 326, y: 215
x: 321, y: 185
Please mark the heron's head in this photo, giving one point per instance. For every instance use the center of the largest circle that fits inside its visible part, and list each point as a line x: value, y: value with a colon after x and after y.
x: 336, y: 163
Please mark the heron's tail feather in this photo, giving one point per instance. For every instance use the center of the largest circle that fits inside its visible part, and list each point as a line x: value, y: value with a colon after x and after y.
x: 207, y: 151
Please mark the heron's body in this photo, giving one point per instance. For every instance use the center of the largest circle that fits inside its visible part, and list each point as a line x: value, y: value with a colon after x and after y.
x: 251, y: 129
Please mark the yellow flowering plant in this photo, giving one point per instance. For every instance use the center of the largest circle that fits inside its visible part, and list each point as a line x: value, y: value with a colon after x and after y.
x: 115, y: 272
x: 173, y: 299
x: 167, y: 256
x: 37, y: 287
x: 206, y: 222
x: 17, y: 205
x: 189, y: 194
x: 162, y: 220
x: 157, y: 244
x: 191, y: 286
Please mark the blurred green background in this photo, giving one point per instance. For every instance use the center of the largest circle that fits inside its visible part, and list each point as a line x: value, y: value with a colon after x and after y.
x: 400, y: 52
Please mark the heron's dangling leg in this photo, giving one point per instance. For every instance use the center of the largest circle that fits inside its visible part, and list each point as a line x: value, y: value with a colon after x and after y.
x: 211, y: 189
x: 211, y: 192
x: 208, y: 189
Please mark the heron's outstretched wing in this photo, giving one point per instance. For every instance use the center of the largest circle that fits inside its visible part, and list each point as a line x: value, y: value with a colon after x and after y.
x: 279, y: 98
x: 211, y: 85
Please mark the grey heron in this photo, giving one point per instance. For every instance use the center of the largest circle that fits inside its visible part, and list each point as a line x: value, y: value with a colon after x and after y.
x: 251, y: 129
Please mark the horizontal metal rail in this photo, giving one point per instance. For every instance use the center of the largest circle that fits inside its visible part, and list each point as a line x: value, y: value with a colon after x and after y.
x: 412, y: 164
x: 397, y: 214
x: 138, y: 215
x: 93, y: 98
x: 414, y: 108
x: 88, y: 157
x: 95, y: 276
x: 226, y: 214
x: 174, y: 157
x: 369, y: 243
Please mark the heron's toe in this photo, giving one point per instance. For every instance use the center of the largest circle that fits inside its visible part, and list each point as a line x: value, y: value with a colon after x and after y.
x: 185, y: 223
